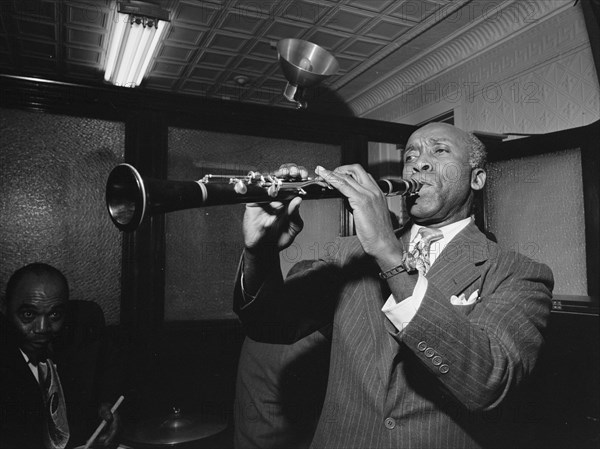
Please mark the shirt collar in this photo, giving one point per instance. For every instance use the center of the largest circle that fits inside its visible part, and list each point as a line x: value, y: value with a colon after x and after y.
x: 449, y: 231
x: 26, y: 357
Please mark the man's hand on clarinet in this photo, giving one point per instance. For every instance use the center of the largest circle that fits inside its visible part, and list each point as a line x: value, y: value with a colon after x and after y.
x: 372, y: 219
x: 274, y: 225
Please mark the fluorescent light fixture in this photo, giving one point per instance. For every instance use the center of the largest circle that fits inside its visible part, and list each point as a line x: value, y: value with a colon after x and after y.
x: 135, y: 35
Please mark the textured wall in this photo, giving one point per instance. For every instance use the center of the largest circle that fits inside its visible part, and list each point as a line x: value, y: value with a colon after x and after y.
x: 535, y: 206
x: 204, y: 245
x: 53, y: 172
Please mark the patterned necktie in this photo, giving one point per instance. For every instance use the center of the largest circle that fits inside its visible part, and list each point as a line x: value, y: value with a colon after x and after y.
x: 418, y: 258
x: 57, y: 426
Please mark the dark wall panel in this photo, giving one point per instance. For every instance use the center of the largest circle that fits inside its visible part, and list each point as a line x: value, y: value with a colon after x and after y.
x: 53, y: 172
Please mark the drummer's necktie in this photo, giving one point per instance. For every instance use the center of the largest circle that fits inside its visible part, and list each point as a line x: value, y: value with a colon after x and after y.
x: 418, y: 258
x: 55, y: 413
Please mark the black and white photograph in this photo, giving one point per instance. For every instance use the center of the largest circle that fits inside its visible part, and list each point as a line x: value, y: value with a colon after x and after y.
x: 299, y: 224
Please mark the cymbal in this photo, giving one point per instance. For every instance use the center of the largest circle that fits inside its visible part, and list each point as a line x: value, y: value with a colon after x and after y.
x: 175, y: 428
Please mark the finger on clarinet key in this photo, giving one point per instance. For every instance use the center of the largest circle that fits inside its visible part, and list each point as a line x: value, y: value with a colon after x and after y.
x: 322, y: 172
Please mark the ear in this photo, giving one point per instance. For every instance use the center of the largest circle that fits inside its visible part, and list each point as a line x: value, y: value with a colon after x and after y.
x: 478, y: 177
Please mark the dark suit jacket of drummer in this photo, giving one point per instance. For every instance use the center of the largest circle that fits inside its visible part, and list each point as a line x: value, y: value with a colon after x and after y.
x: 89, y: 372
x: 437, y: 383
x: 21, y: 406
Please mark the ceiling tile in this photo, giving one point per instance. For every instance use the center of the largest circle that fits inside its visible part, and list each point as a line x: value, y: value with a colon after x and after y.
x: 216, y: 59
x: 283, y: 30
x: 40, y: 9
x: 254, y: 65
x: 387, y: 29
x: 167, y: 68
x: 160, y: 82
x: 87, y: 15
x: 196, y: 87
x: 241, y: 22
x: 83, y: 55
x: 176, y: 53
x: 262, y: 7
x: 363, y: 48
x: 274, y: 83
x: 185, y: 35
x: 347, y: 63
x: 327, y: 39
x: 229, y: 42
x: 371, y: 5
x: 36, y: 29
x: 38, y: 48
x: 196, y: 13
x: 347, y: 20
x: 205, y: 74
x: 81, y: 37
x: 264, y: 49
x: 306, y: 11
x: 211, y: 41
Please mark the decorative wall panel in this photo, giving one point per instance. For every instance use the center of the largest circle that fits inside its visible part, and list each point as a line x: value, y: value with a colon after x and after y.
x: 541, y: 80
x: 203, y: 245
x: 534, y: 205
x: 53, y: 171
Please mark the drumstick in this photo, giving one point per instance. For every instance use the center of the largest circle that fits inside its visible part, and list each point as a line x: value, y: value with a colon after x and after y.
x: 103, y: 423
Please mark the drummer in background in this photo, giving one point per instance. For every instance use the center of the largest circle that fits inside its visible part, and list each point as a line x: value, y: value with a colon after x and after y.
x: 48, y: 368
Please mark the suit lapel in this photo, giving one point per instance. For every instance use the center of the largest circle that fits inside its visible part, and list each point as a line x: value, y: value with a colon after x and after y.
x: 457, y: 266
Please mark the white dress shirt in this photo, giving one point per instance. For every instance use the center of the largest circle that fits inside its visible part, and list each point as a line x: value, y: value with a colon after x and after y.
x: 401, y: 314
x: 32, y: 367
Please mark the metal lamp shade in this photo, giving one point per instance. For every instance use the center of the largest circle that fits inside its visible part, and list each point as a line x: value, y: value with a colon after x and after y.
x: 305, y: 64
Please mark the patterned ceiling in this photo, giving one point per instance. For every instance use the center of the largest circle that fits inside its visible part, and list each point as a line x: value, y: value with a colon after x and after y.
x: 208, y: 43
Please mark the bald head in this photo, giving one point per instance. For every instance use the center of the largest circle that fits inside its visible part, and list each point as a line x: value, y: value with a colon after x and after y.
x: 36, y: 297
x: 475, y: 148
x: 41, y: 271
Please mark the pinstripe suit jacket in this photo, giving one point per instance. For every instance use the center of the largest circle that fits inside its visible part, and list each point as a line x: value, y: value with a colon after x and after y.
x: 435, y: 384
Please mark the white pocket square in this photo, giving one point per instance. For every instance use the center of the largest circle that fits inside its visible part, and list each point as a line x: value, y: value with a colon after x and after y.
x: 462, y: 301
